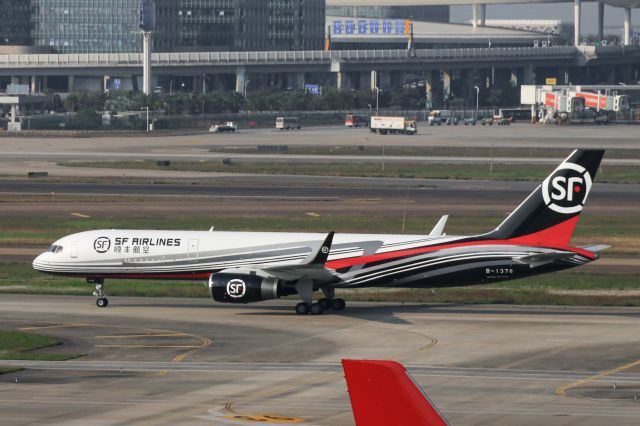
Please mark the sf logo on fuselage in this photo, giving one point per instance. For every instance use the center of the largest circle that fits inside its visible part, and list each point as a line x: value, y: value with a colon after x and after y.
x: 566, y: 190
x: 236, y: 288
x: 102, y: 244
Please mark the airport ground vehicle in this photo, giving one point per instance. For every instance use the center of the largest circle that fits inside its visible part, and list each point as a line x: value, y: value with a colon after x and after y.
x: 351, y: 120
x: 470, y: 121
x: 230, y: 126
x: 246, y: 267
x: 393, y: 125
x: 439, y: 117
x: 452, y: 120
x: 501, y: 121
x: 288, y: 123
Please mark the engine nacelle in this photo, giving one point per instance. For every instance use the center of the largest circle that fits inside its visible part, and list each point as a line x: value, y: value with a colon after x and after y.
x: 244, y: 288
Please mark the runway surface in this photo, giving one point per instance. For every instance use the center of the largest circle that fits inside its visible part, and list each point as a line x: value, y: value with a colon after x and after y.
x: 437, y: 194
x: 170, y: 361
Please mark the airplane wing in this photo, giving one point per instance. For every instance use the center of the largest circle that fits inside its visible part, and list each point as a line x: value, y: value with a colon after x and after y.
x: 313, y: 268
x: 383, y: 394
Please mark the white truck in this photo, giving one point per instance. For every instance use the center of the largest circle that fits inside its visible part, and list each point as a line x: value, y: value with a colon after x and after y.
x: 393, y: 125
x: 221, y: 128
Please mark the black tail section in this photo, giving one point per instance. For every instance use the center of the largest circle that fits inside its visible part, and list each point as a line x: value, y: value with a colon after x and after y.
x: 550, y: 213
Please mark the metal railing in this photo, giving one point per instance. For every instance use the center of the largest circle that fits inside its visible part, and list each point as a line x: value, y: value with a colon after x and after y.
x: 283, y: 57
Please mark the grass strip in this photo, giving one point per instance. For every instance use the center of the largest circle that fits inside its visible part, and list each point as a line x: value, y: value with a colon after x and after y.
x: 566, y: 288
x: 513, y: 172
x: 18, y: 345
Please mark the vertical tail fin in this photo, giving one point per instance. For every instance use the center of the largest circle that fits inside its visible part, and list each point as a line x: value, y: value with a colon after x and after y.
x: 549, y: 215
x: 383, y: 394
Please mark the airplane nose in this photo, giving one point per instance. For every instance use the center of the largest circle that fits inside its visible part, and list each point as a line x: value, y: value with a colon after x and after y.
x: 39, y: 262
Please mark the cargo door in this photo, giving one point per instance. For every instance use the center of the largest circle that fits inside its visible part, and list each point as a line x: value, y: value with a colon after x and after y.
x: 192, y: 255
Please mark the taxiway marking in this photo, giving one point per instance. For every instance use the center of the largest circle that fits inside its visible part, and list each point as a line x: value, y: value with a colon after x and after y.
x: 562, y: 390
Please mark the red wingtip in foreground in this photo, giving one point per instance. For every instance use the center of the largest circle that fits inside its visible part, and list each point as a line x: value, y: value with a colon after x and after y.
x: 382, y: 393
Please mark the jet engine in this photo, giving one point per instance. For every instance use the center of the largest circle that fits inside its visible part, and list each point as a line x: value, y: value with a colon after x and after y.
x: 246, y: 288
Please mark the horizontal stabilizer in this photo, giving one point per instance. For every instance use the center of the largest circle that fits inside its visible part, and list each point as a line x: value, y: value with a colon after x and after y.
x: 540, y: 259
x: 596, y: 248
x: 438, y: 230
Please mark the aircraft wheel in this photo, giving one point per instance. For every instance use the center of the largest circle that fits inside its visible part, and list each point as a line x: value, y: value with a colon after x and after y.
x: 302, y: 308
x: 325, y: 303
x: 338, y: 304
x: 102, y: 302
x: 316, y: 309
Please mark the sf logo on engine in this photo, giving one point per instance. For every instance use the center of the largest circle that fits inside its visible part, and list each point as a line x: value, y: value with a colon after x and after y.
x: 566, y: 190
x: 102, y: 244
x: 236, y: 288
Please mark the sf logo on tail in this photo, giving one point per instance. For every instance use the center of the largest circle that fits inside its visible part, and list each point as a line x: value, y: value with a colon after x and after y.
x: 566, y: 190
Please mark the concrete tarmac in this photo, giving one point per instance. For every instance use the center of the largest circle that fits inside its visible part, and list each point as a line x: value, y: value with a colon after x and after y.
x: 179, y: 361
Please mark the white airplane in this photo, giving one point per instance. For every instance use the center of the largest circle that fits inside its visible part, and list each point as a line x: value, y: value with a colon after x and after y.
x: 244, y: 267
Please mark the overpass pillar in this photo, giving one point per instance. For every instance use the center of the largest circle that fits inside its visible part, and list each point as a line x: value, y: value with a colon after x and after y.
x: 577, y: 8
x: 483, y: 15
x: 446, y: 86
x: 600, y: 21
x: 71, y: 83
x: 513, y: 79
x: 241, y: 80
x: 374, y: 80
x: 474, y: 15
x: 45, y: 83
x: 33, y: 84
x: 627, y: 26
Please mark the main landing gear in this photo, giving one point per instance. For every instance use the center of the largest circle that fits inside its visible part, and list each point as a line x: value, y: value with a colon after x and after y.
x: 304, y: 308
x: 100, y: 293
x: 317, y: 308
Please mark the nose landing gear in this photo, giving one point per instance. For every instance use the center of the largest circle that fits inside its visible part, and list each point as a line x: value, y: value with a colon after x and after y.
x: 100, y: 293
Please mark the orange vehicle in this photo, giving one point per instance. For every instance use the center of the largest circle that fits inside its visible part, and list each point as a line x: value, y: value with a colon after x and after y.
x: 351, y: 120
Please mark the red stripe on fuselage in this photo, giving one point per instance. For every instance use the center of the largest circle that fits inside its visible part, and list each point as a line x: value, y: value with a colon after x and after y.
x: 553, y: 237
x: 160, y: 276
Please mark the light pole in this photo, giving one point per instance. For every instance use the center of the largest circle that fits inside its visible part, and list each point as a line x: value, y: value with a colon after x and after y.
x: 477, y: 99
x: 146, y: 108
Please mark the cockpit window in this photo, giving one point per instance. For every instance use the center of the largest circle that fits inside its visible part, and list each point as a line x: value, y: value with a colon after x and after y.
x: 55, y: 249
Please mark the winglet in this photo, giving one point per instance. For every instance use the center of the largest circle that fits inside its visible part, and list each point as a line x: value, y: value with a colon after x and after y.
x: 438, y: 230
x: 383, y: 394
x: 323, y: 252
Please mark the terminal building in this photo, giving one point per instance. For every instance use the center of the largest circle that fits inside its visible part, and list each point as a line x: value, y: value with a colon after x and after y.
x: 111, y: 26
x: 239, y: 25
x: 435, y: 13
x: 251, y: 45
x: 15, y: 22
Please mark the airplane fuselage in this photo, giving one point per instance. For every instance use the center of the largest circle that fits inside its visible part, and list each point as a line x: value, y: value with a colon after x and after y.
x: 359, y: 260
